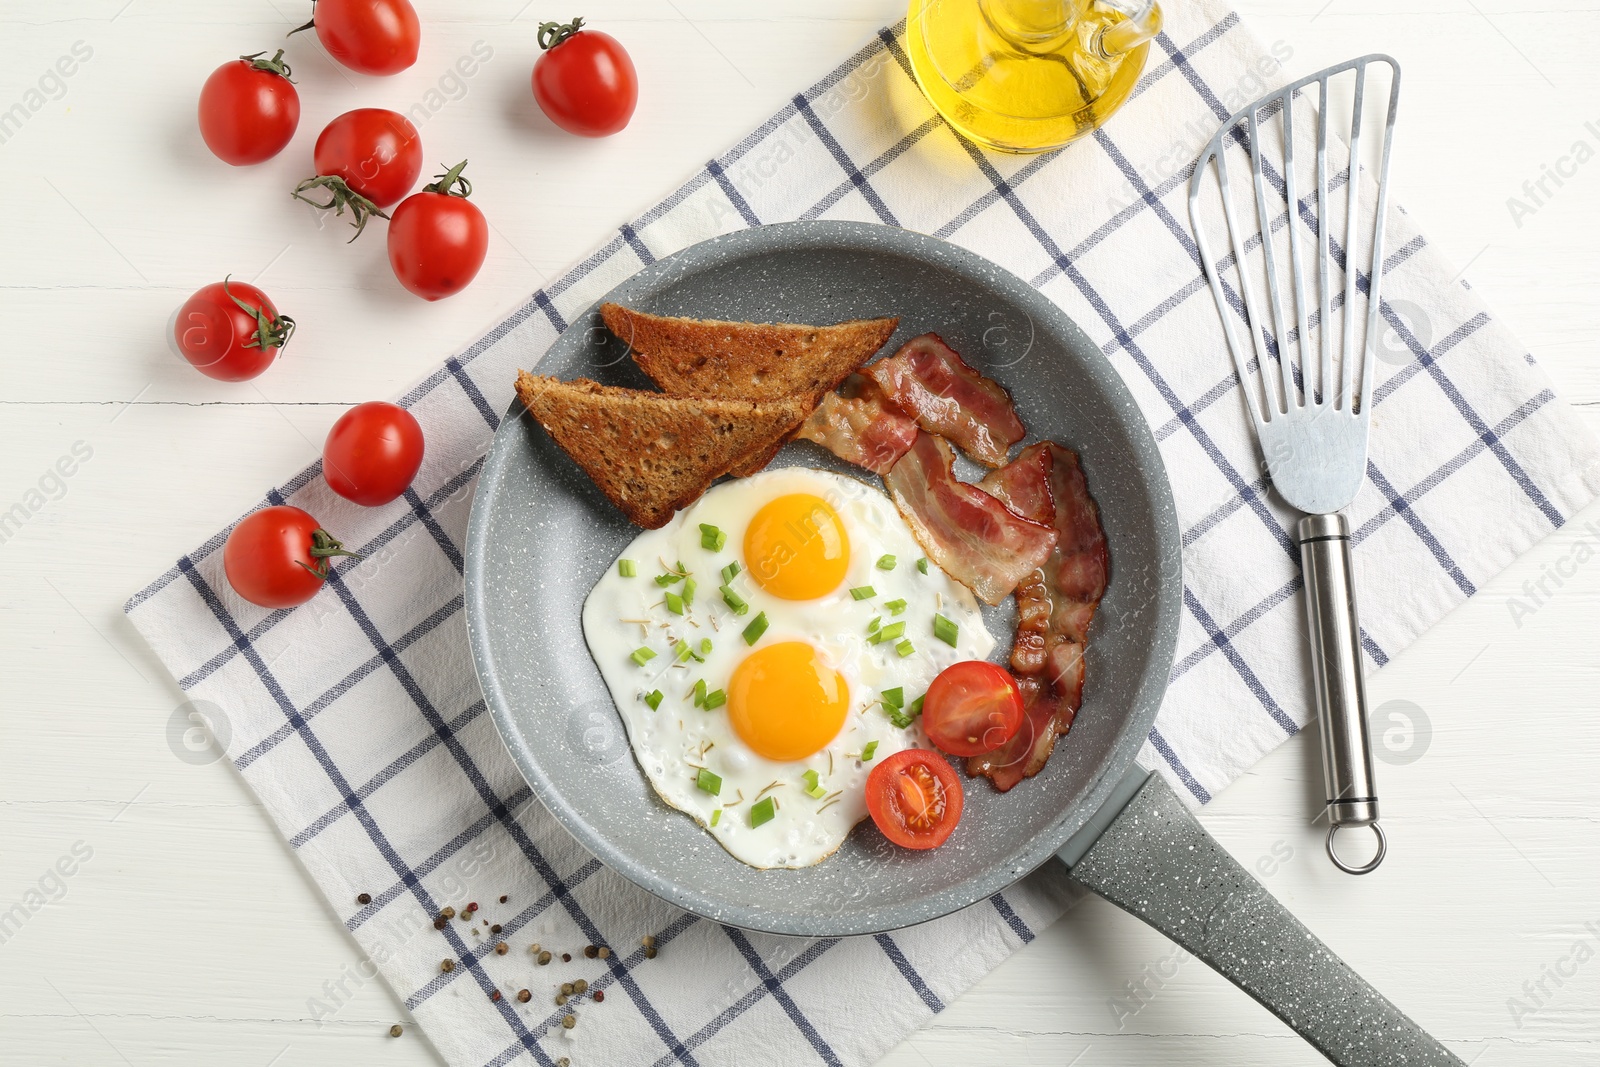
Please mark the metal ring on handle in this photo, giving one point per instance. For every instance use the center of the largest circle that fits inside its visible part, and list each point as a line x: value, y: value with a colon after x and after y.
x: 1372, y: 864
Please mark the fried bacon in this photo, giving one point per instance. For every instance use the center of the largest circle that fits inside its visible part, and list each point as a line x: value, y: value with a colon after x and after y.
x: 928, y: 381
x: 975, y: 538
x: 1055, y: 605
x: 858, y: 427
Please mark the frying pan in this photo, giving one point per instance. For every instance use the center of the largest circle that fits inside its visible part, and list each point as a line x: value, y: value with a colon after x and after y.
x: 541, y: 535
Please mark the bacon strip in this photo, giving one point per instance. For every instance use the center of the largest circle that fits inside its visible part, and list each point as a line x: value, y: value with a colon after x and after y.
x: 1054, y: 605
x: 976, y: 539
x: 859, y: 428
x: 928, y: 381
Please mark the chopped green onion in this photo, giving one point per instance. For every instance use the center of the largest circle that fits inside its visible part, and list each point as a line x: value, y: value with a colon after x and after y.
x: 763, y: 811
x: 897, y: 718
x: 681, y: 652
x: 734, y: 601
x: 870, y: 751
x: 711, y: 538
x: 705, y: 646
x: 699, y: 692
x: 905, y: 648
x: 716, y: 816
x: 922, y: 564
x: 810, y: 778
x: 642, y: 655
x: 730, y: 572
x: 714, y: 700
x: 814, y: 788
x: 896, y: 606
x: 688, y: 591
x: 945, y: 630
x: 877, y: 621
x: 653, y: 699
x: 708, y: 782
x: 757, y: 627
x: 664, y: 580
x: 916, y: 705
x: 886, y: 563
x: 896, y: 697
x: 893, y: 632
x: 674, y: 603
x: 626, y: 568
x: 863, y: 592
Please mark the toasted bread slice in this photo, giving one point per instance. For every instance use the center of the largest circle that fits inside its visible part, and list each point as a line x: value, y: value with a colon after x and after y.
x: 745, y: 360
x: 652, y: 454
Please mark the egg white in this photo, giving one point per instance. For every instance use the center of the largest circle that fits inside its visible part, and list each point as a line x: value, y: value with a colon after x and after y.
x: 671, y: 743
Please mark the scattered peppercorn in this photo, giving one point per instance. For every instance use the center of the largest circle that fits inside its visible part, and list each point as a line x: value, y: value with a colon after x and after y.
x: 568, y: 1022
x: 447, y: 966
x: 448, y: 912
x: 563, y: 1062
x: 534, y: 948
x: 523, y: 996
x: 580, y: 986
x: 544, y: 958
x: 568, y: 988
x: 495, y: 995
x: 561, y: 998
x: 440, y: 923
x: 495, y: 929
x: 566, y: 957
x: 501, y: 949
x: 648, y: 941
x: 472, y: 906
x: 396, y: 1030
x: 591, y: 952
x: 364, y: 898
x: 502, y: 898
x: 599, y: 995
x: 605, y: 953
x: 650, y: 953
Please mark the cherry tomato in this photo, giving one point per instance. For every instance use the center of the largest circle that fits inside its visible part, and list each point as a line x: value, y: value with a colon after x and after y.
x: 372, y: 453
x: 249, y: 109
x: 369, y: 36
x: 367, y: 160
x: 230, y: 331
x: 915, y: 798
x: 973, y: 707
x: 438, y: 238
x: 278, y: 557
x: 584, y: 79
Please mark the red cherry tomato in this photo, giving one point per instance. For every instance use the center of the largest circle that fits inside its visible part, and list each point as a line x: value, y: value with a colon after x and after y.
x: 973, y: 707
x: 584, y: 79
x: 438, y: 238
x: 230, y: 331
x: 367, y: 160
x: 278, y: 557
x: 372, y: 453
x: 370, y: 36
x: 915, y: 798
x: 249, y: 109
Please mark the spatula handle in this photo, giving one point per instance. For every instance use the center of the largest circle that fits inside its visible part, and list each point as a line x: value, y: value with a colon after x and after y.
x: 1352, y: 791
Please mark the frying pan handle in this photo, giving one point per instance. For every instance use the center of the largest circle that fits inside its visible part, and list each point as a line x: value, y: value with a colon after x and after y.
x: 1157, y: 862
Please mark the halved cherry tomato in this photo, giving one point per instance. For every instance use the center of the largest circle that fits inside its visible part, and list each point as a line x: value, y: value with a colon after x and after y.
x: 278, y: 557
x: 915, y: 798
x: 249, y: 109
x: 373, y: 452
x: 370, y: 36
x: 973, y: 707
x: 367, y: 160
x: 438, y: 238
x: 230, y: 331
x: 584, y: 80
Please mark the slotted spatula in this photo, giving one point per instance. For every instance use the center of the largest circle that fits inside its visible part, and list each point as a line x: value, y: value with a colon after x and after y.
x: 1309, y: 391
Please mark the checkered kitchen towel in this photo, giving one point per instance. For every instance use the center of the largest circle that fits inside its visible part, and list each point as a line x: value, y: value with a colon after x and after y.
x: 358, y: 721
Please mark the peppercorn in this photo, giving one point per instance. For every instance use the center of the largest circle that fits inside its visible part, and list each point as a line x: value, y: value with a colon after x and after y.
x: 495, y: 996
x: 566, y: 957
x: 502, y: 898
x: 501, y: 949
x: 569, y: 1021
x: 650, y: 953
x: 396, y: 1030
x: 561, y: 999
x: 472, y: 906
x: 648, y: 941
x: 544, y: 958
x: 568, y: 988
x: 364, y: 898
x: 495, y: 929
x: 599, y: 995
x: 580, y: 986
x: 605, y: 953
x: 447, y: 966
x: 448, y: 912
x: 523, y: 996
x: 591, y: 952
x: 440, y: 923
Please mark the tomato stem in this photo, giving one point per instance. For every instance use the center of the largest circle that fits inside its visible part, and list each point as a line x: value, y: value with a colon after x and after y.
x: 308, y: 26
x: 340, y: 196
x: 448, y: 180
x: 270, y: 332
x: 325, y: 546
x: 553, y: 33
x: 275, y: 65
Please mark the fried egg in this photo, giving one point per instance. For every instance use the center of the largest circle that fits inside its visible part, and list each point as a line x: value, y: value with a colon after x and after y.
x: 767, y: 647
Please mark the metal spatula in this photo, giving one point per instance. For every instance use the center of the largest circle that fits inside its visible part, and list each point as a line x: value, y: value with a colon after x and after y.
x: 1309, y: 391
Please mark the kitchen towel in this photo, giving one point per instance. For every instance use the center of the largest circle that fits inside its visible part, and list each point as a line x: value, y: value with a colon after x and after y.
x: 358, y: 721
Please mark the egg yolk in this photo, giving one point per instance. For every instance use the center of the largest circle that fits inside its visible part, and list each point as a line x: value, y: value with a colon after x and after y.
x: 785, y: 703
x: 796, y: 548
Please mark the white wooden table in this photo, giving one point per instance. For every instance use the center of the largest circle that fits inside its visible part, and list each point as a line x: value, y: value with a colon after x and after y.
x: 189, y: 935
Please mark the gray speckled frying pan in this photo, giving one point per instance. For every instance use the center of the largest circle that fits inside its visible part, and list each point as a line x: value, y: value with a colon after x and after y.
x: 541, y: 535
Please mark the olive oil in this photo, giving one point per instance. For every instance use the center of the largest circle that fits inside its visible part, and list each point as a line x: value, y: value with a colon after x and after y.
x: 1028, y: 75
